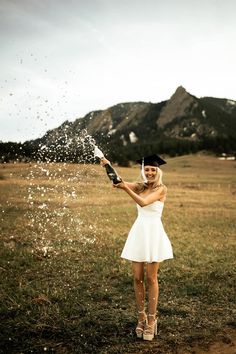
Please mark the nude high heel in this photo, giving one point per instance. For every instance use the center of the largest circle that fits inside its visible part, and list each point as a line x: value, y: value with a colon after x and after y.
x: 141, y: 325
x: 150, y: 330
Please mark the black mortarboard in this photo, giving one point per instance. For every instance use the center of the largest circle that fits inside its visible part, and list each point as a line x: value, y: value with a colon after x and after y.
x: 152, y: 160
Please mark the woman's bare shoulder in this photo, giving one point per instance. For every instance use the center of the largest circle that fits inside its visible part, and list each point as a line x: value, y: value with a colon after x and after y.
x: 163, y: 193
x: 161, y: 190
x: 164, y: 188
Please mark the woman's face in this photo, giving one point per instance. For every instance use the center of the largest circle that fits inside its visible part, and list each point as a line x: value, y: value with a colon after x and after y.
x: 150, y: 172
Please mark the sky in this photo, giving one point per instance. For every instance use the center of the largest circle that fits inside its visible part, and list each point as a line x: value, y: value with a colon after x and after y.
x: 63, y: 59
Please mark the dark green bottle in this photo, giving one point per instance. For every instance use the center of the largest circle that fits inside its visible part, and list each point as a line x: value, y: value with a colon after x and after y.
x: 113, y: 176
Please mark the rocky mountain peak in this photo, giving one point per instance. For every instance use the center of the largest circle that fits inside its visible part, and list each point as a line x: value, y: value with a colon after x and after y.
x: 179, y: 105
x: 179, y: 91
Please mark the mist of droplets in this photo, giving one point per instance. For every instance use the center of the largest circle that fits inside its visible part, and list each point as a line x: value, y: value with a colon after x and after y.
x: 65, y: 145
x: 51, y: 190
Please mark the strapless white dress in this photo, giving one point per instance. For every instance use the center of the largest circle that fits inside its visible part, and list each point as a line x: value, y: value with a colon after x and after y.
x: 147, y: 240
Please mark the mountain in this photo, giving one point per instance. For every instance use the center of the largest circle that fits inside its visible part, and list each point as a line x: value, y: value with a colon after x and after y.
x: 126, y: 131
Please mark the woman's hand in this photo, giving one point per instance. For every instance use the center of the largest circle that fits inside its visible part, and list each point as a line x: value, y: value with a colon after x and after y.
x: 104, y: 162
x: 121, y: 185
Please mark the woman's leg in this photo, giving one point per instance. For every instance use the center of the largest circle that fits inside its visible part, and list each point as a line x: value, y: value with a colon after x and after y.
x: 139, y: 288
x: 153, y: 289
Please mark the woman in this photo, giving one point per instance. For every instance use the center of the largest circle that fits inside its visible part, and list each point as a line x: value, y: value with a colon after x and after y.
x: 147, y: 243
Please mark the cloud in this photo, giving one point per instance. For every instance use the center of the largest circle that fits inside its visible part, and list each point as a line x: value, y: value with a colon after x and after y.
x: 64, y: 59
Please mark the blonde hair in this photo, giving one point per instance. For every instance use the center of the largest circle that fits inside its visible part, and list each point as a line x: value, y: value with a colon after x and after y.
x: 156, y: 184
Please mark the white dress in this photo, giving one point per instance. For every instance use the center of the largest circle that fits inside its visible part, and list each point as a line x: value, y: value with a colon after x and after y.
x: 147, y: 240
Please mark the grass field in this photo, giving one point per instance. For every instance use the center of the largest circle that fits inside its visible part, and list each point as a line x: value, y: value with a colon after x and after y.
x: 64, y: 287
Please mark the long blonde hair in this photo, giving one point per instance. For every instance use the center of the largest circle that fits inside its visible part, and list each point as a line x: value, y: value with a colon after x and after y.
x: 156, y: 184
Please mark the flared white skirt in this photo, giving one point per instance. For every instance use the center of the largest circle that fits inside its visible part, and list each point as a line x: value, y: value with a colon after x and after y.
x: 147, y: 241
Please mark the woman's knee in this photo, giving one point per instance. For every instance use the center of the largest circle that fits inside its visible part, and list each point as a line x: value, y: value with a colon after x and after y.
x: 138, y: 279
x: 138, y: 272
x: 152, y: 279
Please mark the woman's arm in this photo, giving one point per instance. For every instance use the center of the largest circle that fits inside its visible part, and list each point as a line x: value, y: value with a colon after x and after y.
x: 142, y: 201
x: 132, y: 186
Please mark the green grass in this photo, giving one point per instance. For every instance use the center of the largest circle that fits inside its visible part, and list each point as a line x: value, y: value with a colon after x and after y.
x: 64, y: 287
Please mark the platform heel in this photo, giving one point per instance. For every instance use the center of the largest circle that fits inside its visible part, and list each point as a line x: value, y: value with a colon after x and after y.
x: 141, y: 326
x: 150, y: 331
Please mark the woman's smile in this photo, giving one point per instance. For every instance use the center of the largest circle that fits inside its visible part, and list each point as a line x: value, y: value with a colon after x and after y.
x: 150, y: 172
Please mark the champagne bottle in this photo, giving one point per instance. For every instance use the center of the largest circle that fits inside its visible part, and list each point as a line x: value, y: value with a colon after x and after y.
x: 112, y: 174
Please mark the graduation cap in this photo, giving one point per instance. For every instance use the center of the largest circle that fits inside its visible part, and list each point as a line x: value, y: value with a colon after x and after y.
x: 152, y: 160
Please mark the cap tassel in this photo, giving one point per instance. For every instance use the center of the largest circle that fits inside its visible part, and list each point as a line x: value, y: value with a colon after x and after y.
x: 142, y: 172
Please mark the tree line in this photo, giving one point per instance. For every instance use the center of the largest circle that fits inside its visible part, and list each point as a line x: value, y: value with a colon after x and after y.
x: 123, y: 155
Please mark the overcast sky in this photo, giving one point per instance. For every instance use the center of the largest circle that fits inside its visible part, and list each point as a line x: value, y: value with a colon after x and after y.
x: 61, y: 59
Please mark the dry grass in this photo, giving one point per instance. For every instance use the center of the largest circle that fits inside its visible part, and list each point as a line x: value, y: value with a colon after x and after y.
x: 65, y: 288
